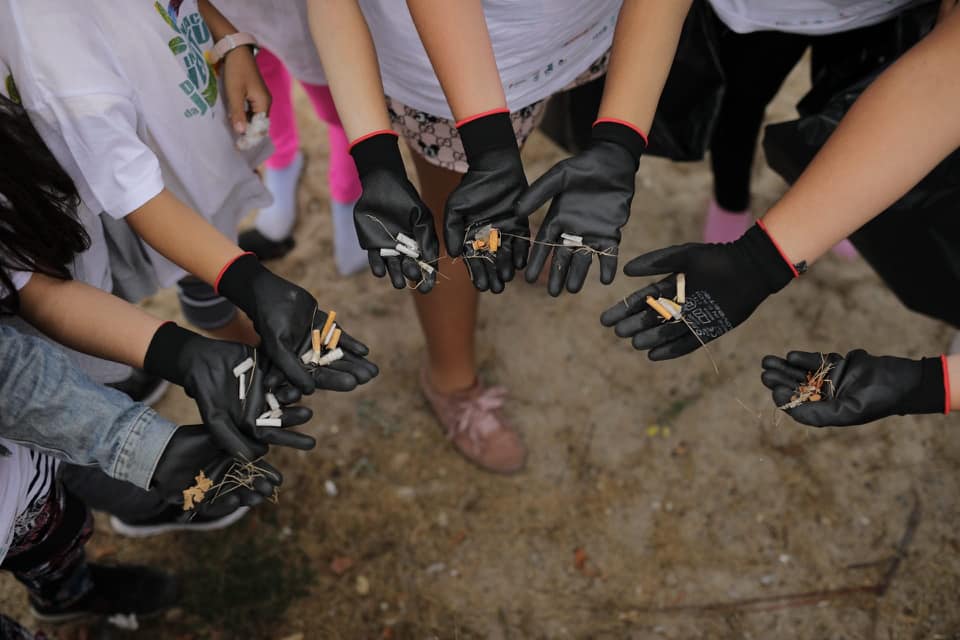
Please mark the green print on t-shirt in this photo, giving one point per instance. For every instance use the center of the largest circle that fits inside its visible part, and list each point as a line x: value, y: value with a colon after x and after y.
x: 201, y: 83
x: 11, y: 88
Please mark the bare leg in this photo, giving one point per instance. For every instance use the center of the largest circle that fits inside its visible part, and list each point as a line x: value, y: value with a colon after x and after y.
x: 448, y: 314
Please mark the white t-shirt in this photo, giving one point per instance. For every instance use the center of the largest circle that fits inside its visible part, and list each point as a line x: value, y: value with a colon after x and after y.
x: 280, y: 26
x: 808, y: 17
x: 540, y: 46
x: 122, y: 94
x: 26, y: 478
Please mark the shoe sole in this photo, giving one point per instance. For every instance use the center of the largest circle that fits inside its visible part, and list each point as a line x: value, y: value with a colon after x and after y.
x: 64, y: 618
x: 133, y: 531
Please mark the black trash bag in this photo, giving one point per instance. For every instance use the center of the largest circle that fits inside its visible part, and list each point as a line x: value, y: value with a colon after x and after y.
x: 688, y: 108
x: 914, y: 246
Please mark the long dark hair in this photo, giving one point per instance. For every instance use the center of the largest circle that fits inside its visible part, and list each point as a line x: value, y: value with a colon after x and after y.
x: 39, y: 229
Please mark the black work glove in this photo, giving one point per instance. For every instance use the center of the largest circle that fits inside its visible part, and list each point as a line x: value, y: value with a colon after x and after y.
x: 388, y: 206
x: 344, y: 374
x: 591, y: 192
x: 191, y: 450
x: 281, y: 313
x: 487, y: 194
x: 858, y: 387
x: 725, y: 283
x: 204, y: 368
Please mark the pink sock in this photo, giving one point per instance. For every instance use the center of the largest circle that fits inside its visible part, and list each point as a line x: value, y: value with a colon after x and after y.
x: 725, y: 226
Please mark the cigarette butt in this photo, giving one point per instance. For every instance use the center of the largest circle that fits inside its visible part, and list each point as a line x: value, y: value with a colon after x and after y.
x: 681, y: 289
x: 407, y: 240
x: 570, y: 240
x: 656, y: 306
x: 494, y: 240
x: 264, y: 415
x: 243, y: 387
x: 315, y: 339
x: 243, y: 367
x: 335, y: 340
x: 389, y: 253
x: 425, y: 267
x: 326, y: 326
x: 329, y: 358
x: 670, y: 306
x: 407, y: 251
x: 327, y: 337
x: 272, y: 402
x: 479, y: 245
x: 269, y: 422
x: 276, y: 413
x: 307, y: 356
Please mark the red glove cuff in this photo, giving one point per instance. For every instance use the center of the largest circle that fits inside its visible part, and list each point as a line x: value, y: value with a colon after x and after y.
x: 216, y: 283
x: 797, y: 269
x: 946, y: 384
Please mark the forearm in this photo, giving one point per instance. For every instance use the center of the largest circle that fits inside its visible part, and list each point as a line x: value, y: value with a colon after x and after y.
x: 644, y: 46
x: 181, y: 235
x: 350, y: 62
x: 456, y: 39
x: 902, y: 126
x: 51, y: 406
x: 87, y: 319
x: 217, y: 23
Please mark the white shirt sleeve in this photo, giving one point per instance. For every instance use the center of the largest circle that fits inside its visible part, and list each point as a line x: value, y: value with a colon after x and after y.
x: 95, y: 139
x: 19, y: 279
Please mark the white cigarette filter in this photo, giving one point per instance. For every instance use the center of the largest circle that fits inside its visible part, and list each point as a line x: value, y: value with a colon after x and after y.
x: 670, y: 306
x: 570, y: 240
x: 407, y: 240
x: 326, y: 338
x: 243, y: 387
x: 389, y: 253
x: 329, y: 358
x: 269, y: 422
x: 276, y: 413
x: 272, y: 402
x: 407, y: 251
x: 425, y: 267
x: 243, y: 367
x: 307, y: 356
x: 681, y: 288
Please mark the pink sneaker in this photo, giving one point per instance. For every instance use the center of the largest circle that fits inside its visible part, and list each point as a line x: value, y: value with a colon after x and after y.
x: 725, y: 226
x: 472, y: 422
x: 845, y: 249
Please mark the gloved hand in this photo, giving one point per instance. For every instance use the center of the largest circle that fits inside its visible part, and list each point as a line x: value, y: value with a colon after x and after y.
x: 204, y: 368
x: 192, y: 449
x: 390, y: 205
x: 344, y: 374
x: 281, y: 312
x: 487, y: 194
x: 591, y: 193
x: 725, y: 283
x: 858, y: 387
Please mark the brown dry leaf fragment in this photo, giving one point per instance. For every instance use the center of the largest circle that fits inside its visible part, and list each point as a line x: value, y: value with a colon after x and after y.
x: 194, y: 495
x: 341, y: 564
x: 580, y: 558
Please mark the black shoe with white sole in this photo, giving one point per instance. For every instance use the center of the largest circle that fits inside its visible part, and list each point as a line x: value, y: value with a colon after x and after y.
x: 122, y: 594
x: 174, y: 519
x: 142, y: 387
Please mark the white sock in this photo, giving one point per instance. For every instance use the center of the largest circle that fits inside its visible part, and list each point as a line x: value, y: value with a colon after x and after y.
x: 348, y: 255
x: 276, y: 221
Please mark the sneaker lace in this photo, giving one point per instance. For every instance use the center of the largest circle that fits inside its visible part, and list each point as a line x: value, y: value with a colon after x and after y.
x: 476, y: 418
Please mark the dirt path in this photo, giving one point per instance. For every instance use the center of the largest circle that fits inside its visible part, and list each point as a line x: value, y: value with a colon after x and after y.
x: 654, y: 505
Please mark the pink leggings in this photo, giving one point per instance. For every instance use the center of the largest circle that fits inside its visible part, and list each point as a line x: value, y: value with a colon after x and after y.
x: 342, y: 175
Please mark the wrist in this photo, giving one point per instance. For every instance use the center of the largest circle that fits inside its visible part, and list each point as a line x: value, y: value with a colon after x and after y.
x: 622, y: 133
x: 931, y: 393
x: 767, y: 259
x: 229, y: 43
x: 795, y: 268
x: 163, y: 354
x: 235, y: 279
x: 377, y: 150
x: 487, y: 131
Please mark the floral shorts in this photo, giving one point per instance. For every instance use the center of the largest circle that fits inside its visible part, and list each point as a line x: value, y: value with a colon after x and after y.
x: 437, y: 141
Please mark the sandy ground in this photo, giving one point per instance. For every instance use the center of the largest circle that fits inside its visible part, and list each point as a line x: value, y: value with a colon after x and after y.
x: 657, y: 502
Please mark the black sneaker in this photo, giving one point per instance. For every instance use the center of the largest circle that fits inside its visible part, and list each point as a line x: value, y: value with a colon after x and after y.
x: 174, y: 519
x: 123, y: 594
x: 263, y: 247
x: 142, y: 387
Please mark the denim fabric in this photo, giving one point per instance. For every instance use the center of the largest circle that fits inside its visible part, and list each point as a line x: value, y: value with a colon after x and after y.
x: 49, y: 405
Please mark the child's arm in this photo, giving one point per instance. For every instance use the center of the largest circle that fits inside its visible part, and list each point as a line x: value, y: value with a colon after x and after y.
x: 900, y: 128
x: 241, y: 79
x: 389, y: 205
